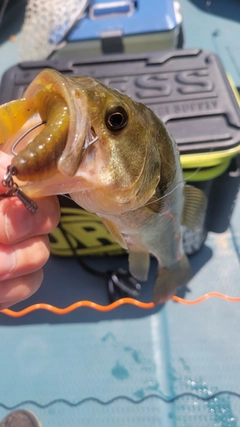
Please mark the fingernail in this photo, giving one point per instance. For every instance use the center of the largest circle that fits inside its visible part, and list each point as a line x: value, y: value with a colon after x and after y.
x: 18, y: 223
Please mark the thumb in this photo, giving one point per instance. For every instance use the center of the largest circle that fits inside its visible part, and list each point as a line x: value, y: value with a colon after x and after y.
x: 5, y: 161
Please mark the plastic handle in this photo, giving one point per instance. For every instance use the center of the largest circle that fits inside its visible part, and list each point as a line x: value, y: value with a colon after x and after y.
x: 111, y: 9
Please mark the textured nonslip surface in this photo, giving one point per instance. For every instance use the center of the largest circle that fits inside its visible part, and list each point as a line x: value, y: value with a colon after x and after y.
x: 175, y: 366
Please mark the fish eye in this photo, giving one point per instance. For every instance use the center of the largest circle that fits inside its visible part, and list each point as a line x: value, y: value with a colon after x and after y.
x: 116, y: 118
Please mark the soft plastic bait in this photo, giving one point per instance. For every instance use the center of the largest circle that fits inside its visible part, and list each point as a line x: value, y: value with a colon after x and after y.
x: 39, y: 158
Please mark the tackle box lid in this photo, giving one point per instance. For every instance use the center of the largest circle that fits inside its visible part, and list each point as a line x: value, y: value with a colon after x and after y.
x: 187, y: 89
x: 127, y: 16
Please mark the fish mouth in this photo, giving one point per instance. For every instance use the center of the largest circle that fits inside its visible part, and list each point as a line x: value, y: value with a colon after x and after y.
x: 59, y: 145
x: 71, y: 155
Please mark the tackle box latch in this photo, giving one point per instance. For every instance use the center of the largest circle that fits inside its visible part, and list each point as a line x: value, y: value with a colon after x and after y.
x: 111, y: 41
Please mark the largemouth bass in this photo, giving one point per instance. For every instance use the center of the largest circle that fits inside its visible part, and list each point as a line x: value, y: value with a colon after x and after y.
x: 115, y: 158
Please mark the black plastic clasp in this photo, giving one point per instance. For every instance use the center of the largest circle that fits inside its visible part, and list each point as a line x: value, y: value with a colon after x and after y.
x: 112, y: 42
x: 122, y: 284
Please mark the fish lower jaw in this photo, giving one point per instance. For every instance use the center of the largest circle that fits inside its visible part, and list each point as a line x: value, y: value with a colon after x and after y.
x: 56, y: 185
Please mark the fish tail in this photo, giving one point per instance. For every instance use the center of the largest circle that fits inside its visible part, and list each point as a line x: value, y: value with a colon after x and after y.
x: 170, y: 279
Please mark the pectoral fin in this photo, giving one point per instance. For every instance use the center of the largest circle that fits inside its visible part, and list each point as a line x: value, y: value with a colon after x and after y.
x: 110, y: 226
x: 194, y: 207
x: 139, y: 264
x: 170, y: 279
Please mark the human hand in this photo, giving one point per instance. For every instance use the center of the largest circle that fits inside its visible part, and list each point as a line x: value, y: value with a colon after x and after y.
x: 24, y: 244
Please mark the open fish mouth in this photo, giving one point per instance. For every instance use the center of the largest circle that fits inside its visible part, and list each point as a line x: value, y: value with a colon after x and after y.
x: 66, y: 132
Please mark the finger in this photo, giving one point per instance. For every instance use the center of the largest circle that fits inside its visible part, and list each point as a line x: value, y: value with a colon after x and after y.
x: 23, y: 258
x: 17, y: 223
x: 19, y: 288
x: 5, y: 160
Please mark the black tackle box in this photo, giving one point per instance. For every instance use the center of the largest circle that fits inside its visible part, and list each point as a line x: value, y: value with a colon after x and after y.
x: 190, y: 91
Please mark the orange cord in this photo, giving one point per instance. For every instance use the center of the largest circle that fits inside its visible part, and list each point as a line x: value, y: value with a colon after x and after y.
x: 78, y: 304
x: 114, y: 305
x: 205, y: 297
